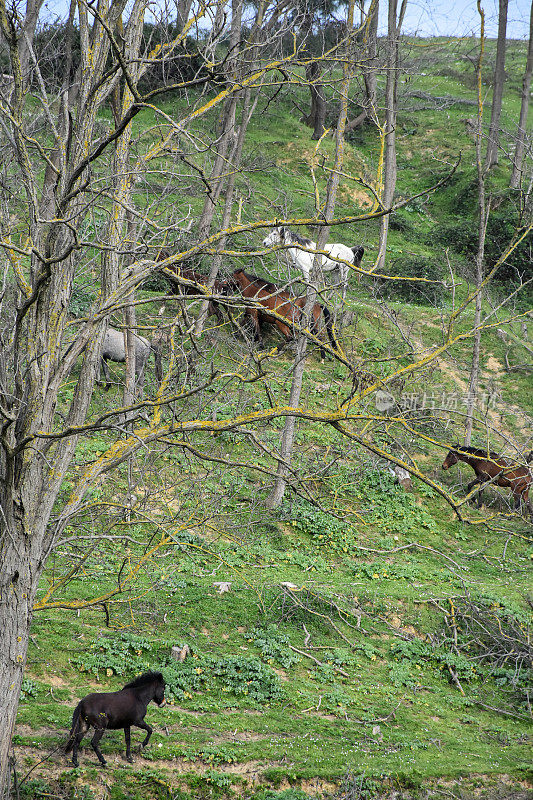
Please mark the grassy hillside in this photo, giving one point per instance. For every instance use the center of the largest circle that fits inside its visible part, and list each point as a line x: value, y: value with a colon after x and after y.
x: 368, y: 644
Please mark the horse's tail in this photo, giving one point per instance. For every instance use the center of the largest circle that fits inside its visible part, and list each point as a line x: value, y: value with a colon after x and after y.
x: 75, y: 728
x: 358, y: 253
x: 330, y: 328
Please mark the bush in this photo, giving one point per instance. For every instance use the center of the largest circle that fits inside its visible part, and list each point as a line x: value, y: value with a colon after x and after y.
x: 411, y: 291
x: 400, y: 222
x: 460, y: 235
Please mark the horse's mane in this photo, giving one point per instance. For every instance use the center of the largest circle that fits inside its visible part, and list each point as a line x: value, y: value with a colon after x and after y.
x: 300, y: 239
x: 142, y: 680
x: 260, y: 281
x: 474, y: 451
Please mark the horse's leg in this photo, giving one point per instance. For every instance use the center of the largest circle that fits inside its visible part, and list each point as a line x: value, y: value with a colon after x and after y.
x: 105, y: 370
x: 127, y: 736
x: 479, y: 494
x: 77, y: 741
x: 257, y: 327
x: 315, y: 329
x: 344, y: 272
x: 145, y: 727
x: 98, y: 733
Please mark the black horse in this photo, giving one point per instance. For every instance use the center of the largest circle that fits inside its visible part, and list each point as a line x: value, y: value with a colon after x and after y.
x: 115, y: 710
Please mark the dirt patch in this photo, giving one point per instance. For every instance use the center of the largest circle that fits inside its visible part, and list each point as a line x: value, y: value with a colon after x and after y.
x: 55, y: 681
x: 27, y: 730
x: 355, y: 195
x: 495, y: 366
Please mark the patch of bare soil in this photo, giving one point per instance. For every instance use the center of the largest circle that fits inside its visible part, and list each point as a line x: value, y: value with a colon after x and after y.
x: 27, y: 730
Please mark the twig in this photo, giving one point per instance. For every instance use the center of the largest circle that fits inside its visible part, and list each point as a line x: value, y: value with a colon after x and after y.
x: 320, y: 663
x: 455, y: 679
x: 499, y: 710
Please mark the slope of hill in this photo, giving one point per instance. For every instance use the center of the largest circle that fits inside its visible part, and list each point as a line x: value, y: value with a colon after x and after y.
x: 366, y: 644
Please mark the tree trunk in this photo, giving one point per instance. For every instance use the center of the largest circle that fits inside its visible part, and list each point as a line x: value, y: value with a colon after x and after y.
x: 389, y: 131
x: 497, y: 87
x: 20, y: 569
x: 226, y: 128
x: 518, y: 160
x: 483, y: 212
x: 26, y: 39
x: 317, y: 116
x: 235, y: 161
x: 370, y: 67
x: 275, y: 498
x: 182, y: 13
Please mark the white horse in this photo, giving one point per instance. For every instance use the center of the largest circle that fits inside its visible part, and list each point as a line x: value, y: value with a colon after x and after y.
x: 304, y: 259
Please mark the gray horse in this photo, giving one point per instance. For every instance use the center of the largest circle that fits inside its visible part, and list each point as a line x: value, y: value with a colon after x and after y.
x: 113, y: 350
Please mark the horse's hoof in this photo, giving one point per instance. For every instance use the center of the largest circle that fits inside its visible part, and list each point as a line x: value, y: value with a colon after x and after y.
x: 103, y: 763
x: 130, y: 759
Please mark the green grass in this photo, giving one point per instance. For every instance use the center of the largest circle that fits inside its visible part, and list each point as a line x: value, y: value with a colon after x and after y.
x: 250, y: 716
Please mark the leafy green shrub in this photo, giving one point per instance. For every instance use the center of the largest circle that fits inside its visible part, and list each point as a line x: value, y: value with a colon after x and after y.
x: 325, y: 528
x: 122, y: 654
x: 413, y: 291
x: 390, y: 505
x: 400, y: 222
x: 28, y: 689
x: 501, y: 228
x: 248, y: 676
x: 286, y: 794
x: 129, y: 654
x: 408, y: 654
x: 459, y: 234
x: 274, y: 646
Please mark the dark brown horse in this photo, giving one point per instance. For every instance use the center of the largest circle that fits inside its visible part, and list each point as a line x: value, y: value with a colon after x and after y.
x: 494, y: 468
x: 197, y: 286
x: 115, y: 710
x: 272, y: 298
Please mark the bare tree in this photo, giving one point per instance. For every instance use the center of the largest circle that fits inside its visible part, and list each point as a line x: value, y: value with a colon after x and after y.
x: 497, y: 86
x: 518, y: 160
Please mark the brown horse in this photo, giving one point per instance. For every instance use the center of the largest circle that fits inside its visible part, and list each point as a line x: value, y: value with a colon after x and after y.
x: 115, y: 710
x: 272, y: 298
x: 494, y: 468
x: 198, y: 289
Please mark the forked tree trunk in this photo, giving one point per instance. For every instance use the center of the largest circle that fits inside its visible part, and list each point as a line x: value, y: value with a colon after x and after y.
x: 235, y: 161
x: 518, y: 160
x: 497, y: 87
x: 275, y: 498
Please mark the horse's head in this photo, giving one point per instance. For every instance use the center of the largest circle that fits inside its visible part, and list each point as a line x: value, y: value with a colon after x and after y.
x: 238, y: 280
x: 450, y: 460
x: 276, y: 236
x: 159, y: 690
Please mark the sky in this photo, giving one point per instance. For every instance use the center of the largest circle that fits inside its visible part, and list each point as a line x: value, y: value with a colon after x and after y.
x: 460, y: 18
x: 423, y: 17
